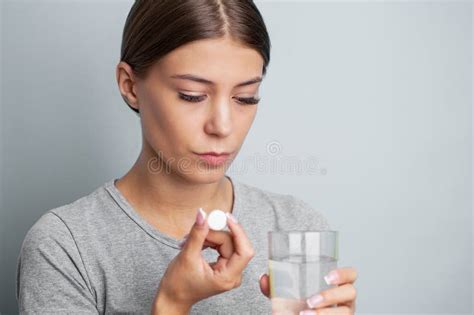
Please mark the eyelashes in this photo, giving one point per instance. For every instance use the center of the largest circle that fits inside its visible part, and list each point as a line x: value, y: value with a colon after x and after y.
x: 199, y: 98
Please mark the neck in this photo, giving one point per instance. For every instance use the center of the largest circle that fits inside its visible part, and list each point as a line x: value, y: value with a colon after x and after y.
x: 168, y: 200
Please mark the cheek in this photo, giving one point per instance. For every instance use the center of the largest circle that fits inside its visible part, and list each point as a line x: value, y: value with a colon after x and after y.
x: 245, y: 117
x: 168, y: 125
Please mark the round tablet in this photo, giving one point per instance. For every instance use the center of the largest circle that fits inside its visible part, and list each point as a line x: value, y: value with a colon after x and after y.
x: 217, y: 220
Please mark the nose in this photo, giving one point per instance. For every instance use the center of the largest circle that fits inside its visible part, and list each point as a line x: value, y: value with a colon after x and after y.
x: 219, y: 122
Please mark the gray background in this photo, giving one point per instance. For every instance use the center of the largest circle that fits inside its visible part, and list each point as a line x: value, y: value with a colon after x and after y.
x: 379, y: 94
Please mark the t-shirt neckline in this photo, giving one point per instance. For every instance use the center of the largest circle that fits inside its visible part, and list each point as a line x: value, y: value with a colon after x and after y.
x: 150, y: 229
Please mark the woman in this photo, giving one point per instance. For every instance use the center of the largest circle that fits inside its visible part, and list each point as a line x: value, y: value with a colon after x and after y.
x: 191, y: 70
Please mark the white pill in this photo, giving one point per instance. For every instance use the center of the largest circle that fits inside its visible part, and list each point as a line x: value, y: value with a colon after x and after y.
x: 217, y: 220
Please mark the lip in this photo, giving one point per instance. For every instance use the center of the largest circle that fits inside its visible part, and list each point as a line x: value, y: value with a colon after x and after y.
x: 213, y: 158
x: 214, y: 153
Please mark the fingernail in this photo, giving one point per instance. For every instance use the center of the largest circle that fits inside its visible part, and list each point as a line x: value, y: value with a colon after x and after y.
x: 201, y: 217
x: 307, y: 313
x: 331, y: 277
x: 231, y: 217
x: 260, y: 277
x: 314, y: 300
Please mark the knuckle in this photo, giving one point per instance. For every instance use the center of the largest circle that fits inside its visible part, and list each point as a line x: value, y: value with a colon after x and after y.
x: 227, y: 283
x: 185, y: 258
x: 225, y: 286
x: 250, y: 253
x: 231, y: 284
x: 238, y: 282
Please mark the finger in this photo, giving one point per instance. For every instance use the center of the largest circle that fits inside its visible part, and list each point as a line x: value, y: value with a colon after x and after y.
x: 339, y: 295
x: 244, y: 251
x: 264, y: 281
x: 219, y: 265
x: 287, y: 306
x: 208, y: 244
x: 196, y: 237
x: 328, y: 311
x: 341, y: 275
x: 220, y: 241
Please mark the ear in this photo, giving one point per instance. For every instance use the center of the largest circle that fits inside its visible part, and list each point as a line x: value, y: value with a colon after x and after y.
x: 127, y: 84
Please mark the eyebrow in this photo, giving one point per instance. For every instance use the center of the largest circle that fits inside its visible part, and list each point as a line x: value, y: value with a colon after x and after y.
x: 205, y: 81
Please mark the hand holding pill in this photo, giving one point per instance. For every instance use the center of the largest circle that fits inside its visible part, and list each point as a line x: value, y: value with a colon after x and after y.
x: 189, y: 278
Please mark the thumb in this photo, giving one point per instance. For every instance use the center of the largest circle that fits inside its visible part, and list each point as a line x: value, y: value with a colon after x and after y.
x: 197, y: 235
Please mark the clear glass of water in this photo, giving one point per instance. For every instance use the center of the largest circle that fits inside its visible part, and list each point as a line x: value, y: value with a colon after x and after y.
x: 298, y: 262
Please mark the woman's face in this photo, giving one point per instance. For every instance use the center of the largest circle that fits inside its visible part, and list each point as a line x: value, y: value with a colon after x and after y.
x: 182, y: 115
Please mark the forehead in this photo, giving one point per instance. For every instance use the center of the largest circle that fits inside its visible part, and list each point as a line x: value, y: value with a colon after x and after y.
x: 220, y: 60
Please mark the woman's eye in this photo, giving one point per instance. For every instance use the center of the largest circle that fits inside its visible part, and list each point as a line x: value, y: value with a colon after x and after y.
x: 191, y: 98
x: 248, y: 100
x: 199, y: 98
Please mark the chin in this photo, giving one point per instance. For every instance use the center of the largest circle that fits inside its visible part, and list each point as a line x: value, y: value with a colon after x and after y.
x: 204, y: 176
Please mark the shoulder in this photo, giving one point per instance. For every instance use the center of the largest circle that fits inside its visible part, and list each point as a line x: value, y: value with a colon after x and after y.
x: 61, y: 224
x: 48, y: 230
x: 52, y: 242
x: 50, y: 264
x: 52, y: 230
x: 289, y: 211
x: 85, y: 206
x: 87, y: 215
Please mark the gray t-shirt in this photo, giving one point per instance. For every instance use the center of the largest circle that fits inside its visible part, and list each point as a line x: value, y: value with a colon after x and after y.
x: 98, y: 255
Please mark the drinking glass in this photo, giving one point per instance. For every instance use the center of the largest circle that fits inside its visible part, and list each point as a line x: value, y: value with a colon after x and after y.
x: 298, y: 262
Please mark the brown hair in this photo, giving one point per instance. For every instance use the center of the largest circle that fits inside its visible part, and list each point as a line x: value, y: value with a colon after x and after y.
x: 156, y: 27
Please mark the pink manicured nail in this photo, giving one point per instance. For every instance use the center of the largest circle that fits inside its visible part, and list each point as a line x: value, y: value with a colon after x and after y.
x: 201, y: 217
x: 230, y: 216
x: 307, y: 312
x: 331, y: 277
x: 314, y: 300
